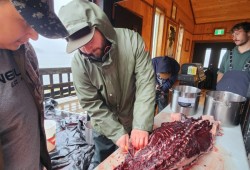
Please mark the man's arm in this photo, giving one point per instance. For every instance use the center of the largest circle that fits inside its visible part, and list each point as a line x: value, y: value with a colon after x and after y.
x: 102, y: 118
x: 145, y: 94
x: 219, y: 76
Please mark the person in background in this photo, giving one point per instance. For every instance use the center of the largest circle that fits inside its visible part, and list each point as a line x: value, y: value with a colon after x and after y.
x: 234, y: 72
x: 166, y: 73
x: 22, y: 136
x: 113, y: 78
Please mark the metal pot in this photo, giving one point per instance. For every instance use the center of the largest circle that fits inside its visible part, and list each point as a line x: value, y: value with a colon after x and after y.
x: 185, y: 99
x: 226, y: 107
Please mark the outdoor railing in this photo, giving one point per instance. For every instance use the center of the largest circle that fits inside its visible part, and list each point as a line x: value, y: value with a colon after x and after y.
x: 57, y: 82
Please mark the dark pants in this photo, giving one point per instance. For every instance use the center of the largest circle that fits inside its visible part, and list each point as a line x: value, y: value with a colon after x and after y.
x: 161, y: 101
x: 103, y: 148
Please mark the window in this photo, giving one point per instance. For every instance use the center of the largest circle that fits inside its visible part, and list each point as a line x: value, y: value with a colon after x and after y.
x: 158, y: 32
x: 156, y: 25
x: 51, y: 53
x: 179, y: 43
x: 207, y: 57
x: 222, y: 53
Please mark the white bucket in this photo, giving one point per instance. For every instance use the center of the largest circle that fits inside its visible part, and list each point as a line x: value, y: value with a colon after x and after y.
x: 50, y: 131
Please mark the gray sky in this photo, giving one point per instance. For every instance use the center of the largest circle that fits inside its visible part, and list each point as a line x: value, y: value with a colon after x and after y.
x: 50, y: 52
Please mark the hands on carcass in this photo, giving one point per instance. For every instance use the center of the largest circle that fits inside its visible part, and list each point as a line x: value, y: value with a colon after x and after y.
x: 138, y: 140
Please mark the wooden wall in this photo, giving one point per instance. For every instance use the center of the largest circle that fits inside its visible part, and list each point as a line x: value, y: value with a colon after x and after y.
x: 205, y: 32
x: 145, y: 8
x: 142, y: 8
x: 184, y: 16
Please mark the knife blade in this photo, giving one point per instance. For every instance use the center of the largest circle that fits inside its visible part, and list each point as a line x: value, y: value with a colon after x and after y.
x: 129, y: 152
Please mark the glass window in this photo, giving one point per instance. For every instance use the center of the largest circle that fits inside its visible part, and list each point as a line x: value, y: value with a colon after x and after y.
x: 157, y: 33
x: 51, y: 53
x: 155, y: 37
x: 222, y: 53
x: 179, y: 42
x: 207, y: 57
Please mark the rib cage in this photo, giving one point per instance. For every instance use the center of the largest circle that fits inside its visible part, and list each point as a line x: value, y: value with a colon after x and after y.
x: 173, y: 145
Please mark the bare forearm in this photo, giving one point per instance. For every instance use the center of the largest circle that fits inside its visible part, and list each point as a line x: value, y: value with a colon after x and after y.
x: 219, y: 76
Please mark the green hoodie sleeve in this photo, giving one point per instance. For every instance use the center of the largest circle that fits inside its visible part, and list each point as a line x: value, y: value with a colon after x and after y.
x: 102, y: 119
x: 145, y: 86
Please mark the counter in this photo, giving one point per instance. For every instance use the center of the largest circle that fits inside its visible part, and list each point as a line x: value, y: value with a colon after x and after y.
x: 228, y: 153
x: 229, y: 150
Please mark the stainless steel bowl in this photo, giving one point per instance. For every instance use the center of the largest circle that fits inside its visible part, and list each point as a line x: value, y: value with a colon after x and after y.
x: 226, y: 107
x: 185, y: 99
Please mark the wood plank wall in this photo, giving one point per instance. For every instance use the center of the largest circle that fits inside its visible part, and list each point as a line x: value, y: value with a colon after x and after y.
x: 184, y: 16
x: 204, y: 32
x: 145, y: 8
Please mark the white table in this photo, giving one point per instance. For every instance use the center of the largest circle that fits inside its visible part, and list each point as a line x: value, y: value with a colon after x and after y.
x: 228, y: 153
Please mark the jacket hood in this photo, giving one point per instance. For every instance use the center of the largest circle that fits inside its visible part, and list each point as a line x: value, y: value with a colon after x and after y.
x: 163, y: 64
x: 79, y: 14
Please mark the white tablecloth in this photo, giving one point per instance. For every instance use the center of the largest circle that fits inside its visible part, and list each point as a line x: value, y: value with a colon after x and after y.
x: 229, y: 152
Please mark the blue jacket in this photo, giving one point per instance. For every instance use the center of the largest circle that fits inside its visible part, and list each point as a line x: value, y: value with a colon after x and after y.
x: 165, y: 64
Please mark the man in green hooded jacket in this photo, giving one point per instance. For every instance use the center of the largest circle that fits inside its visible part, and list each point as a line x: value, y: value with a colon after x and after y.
x: 113, y: 77
x: 22, y: 136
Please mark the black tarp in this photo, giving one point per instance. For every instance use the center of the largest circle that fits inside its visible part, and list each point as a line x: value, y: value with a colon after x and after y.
x: 72, y: 151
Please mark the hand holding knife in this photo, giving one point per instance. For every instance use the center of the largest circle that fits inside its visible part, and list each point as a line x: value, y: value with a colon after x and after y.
x: 130, y: 150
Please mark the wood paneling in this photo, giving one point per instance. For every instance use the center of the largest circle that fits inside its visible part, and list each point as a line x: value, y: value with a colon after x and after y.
x: 165, y: 5
x: 185, y: 55
x: 146, y: 11
x: 210, y: 14
x: 205, y: 32
x: 207, y: 11
x: 150, y: 2
x: 185, y: 15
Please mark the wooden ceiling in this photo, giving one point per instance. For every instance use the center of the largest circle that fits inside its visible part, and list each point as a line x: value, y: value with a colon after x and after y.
x: 209, y: 11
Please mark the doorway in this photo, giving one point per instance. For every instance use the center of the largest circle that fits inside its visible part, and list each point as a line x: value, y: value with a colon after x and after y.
x: 210, y: 56
x: 123, y: 18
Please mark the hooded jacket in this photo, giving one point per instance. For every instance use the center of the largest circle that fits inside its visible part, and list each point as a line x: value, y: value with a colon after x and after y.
x: 165, y: 64
x: 118, y: 92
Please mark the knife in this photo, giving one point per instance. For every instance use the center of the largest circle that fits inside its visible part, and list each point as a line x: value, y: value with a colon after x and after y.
x: 129, y: 152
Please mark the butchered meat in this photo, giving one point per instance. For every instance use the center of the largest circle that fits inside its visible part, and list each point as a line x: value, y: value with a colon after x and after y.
x: 174, y: 145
